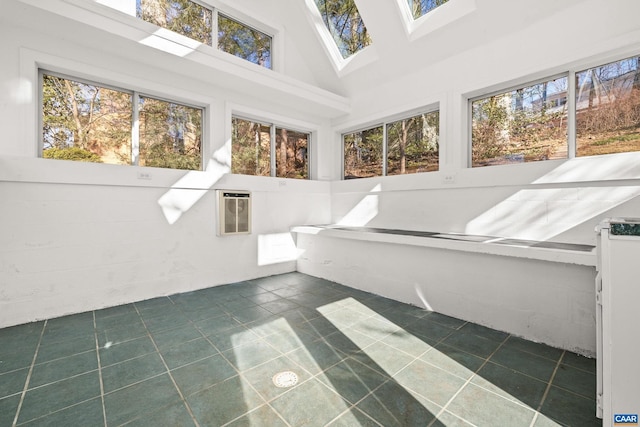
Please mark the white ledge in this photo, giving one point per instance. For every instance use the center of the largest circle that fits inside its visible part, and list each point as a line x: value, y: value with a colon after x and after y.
x: 465, y: 243
x: 197, y: 60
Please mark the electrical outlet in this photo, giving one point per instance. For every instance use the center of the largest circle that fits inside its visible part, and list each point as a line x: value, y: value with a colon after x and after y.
x: 449, y: 178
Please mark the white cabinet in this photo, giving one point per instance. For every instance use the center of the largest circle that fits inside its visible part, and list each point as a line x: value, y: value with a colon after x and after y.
x: 618, y: 321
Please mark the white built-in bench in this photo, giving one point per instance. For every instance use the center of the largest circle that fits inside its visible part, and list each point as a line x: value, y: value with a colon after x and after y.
x: 541, y: 291
x: 546, y: 251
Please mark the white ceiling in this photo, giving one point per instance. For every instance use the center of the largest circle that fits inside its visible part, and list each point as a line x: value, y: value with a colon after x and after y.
x: 397, y: 52
x: 467, y: 24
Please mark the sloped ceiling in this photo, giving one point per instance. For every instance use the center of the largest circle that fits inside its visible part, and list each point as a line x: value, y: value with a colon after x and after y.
x: 396, y: 51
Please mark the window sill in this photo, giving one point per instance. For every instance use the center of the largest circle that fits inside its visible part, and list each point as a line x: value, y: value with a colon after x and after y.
x: 566, y: 253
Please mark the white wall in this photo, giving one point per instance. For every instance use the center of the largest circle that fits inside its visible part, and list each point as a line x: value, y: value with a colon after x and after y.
x: 558, y: 201
x: 71, y: 247
x: 77, y: 236
x: 552, y: 200
x: 85, y: 236
x: 542, y: 301
x: 497, y: 46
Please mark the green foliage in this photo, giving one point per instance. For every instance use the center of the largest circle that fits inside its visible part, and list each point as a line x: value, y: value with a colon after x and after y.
x: 363, y: 153
x: 162, y: 157
x: 243, y: 41
x: 345, y: 25
x: 71, y: 153
x: 85, y: 116
x: 251, y: 152
x: 170, y: 135
x: 412, y: 144
x: 517, y: 126
x: 181, y: 16
x: 97, y: 120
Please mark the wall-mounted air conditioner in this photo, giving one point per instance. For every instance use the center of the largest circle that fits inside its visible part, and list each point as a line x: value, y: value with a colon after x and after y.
x: 234, y: 212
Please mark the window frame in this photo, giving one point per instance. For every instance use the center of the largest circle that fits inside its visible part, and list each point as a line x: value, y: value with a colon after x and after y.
x: 242, y: 19
x: 383, y: 125
x: 424, y: 14
x: 270, y: 33
x: 273, y: 125
x: 385, y: 143
x: 513, y: 87
x: 329, y: 35
x: 135, y: 99
x: 574, y: 73
x: 197, y: 2
x: 570, y: 73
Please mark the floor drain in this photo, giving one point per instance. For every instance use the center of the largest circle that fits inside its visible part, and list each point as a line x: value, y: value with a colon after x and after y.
x: 285, y: 379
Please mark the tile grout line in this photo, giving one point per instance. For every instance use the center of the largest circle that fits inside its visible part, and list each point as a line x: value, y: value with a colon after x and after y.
x: 26, y: 383
x: 255, y: 410
x: 377, y: 340
x: 432, y: 348
x: 546, y: 391
x: 95, y: 336
x: 184, y: 400
x: 221, y: 354
x: 463, y: 386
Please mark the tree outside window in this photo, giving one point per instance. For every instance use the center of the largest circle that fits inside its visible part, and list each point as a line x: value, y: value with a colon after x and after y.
x: 342, y: 19
x: 363, y: 153
x: 523, y: 125
x: 243, y: 41
x: 88, y: 122
x: 268, y: 150
x: 608, y: 108
x: 422, y: 7
x: 181, y: 16
x: 412, y: 144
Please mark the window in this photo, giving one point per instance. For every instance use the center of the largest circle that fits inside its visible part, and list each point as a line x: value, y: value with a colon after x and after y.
x: 250, y: 148
x: 291, y: 154
x: 412, y: 144
x: 608, y: 108
x: 243, y: 41
x: 345, y: 25
x: 196, y: 22
x: 255, y: 144
x: 363, y: 153
x: 422, y: 7
x: 170, y: 134
x: 84, y: 121
x: 523, y: 125
x: 401, y: 147
x: 181, y: 16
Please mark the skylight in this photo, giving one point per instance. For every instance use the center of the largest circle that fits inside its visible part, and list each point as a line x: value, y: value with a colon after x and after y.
x: 345, y: 25
x: 422, y: 7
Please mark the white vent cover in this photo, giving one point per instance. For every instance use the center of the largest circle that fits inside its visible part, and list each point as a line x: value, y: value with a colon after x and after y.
x: 234, y: 212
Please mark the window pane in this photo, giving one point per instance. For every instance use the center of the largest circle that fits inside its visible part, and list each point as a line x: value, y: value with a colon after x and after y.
x: 291, y: 154
x: 524, y: 125
x: 85, y: 122
x: 250, y: 148
x: 345, y: 25
x: 421, y: 7
x: 363, y: 153
x: 181, y: 16
x: 608, y: 108
x: 243, y: 41
x: 170, y: 134
x: 412, y: 144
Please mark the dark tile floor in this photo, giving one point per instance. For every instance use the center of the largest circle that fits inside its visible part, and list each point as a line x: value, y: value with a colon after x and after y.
x: 209, y: 358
